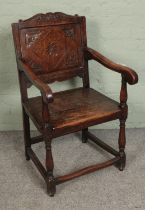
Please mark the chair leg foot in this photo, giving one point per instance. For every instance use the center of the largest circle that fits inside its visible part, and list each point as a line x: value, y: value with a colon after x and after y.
x: 26, y: 154
x: 84, y: 135
x: 27, y: 157
x: 51, y: 186
x: 122, y: 162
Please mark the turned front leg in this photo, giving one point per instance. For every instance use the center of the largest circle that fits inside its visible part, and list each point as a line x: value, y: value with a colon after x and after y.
x: 122, y: 143
x: 51, y: 187
x: 47, y: 131
x: 124, y: 111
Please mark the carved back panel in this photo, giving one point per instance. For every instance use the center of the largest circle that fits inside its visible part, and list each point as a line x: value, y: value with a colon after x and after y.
x: 52, y: 44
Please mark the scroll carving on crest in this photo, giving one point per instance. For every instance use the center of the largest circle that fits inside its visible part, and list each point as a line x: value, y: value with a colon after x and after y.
x: 52, y: 18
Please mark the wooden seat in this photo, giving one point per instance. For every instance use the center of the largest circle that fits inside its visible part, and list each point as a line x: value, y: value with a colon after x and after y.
x: 53, y: 47
x: 74, y: 108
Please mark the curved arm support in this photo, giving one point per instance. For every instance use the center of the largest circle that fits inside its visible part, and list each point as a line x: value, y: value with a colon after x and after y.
x: 44, y: 88
x: 130, y: 75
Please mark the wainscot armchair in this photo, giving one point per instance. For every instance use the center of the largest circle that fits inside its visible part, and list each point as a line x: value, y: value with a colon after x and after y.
x: 53, y: 47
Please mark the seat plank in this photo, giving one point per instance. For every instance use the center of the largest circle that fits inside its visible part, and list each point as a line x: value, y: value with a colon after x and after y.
x: 75, y: 107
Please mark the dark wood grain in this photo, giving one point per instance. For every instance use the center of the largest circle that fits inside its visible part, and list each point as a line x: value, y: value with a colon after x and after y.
x: 50, y: 18
x: 27, y: 137
x: 130, y: 75
x: 74, y: 107
x: 53, y: 47
x: 124, y: 113
x: 86, y: 170
x: 44, y: 88
x: 37, y: 139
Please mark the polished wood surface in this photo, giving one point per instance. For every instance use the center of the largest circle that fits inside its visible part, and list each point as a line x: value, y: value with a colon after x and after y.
x: 73, y: 108
x: 53, y: 47
x: 86, y: 170
x: 130, y: 75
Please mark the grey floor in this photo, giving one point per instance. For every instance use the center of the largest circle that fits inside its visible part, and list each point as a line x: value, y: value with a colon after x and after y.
x: 22, y: 188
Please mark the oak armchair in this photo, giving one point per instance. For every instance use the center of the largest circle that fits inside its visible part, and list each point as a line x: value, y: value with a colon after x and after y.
x: 53, y: 47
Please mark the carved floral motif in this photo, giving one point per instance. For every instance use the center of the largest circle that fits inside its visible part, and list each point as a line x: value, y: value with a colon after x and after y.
x: 31, y: 38
x: 52, y: 48
x: 69, y: 32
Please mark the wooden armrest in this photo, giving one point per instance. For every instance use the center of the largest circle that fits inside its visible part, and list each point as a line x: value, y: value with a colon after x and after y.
x: 130, y: 75
x: 33, y: 78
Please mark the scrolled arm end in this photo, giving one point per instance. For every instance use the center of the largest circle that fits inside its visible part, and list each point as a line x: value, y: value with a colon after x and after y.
x: 47, y: 94
x: 130, y: 75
